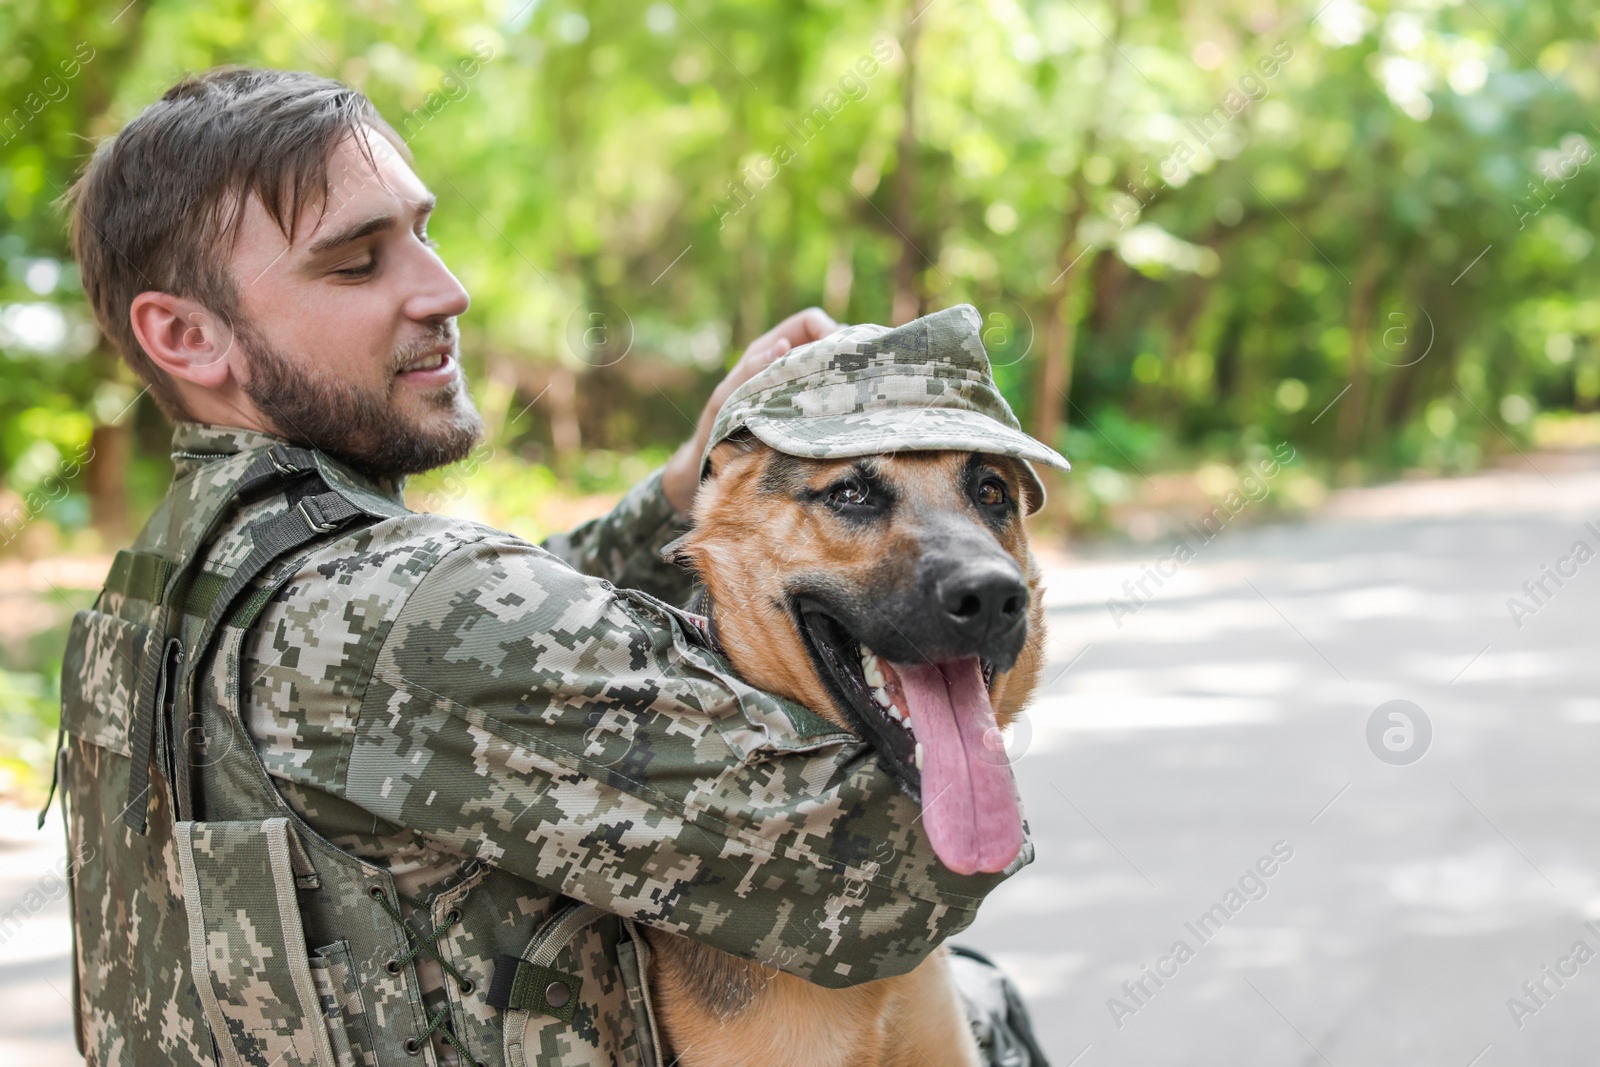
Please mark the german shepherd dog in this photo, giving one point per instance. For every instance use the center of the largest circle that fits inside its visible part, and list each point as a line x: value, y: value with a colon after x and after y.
x: 895, y: 595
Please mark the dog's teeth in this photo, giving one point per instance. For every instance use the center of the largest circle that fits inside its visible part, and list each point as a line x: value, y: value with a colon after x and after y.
x: 881, y: 696
x: 917, y: 758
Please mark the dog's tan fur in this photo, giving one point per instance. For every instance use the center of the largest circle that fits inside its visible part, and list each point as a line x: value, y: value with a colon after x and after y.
x: 716, y: 1009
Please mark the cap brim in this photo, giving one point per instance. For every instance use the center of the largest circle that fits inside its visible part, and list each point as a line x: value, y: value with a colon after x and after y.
x: 907, y: 430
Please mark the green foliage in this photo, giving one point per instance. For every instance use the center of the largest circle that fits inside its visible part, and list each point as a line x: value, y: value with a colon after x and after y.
x: 30, y: 708
x: 1271, y: 208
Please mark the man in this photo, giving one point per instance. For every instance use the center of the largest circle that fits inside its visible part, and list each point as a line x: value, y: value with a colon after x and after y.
x: 346, y: 783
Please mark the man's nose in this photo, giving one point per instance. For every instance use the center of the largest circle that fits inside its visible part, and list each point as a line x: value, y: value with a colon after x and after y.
x: 439, y: 295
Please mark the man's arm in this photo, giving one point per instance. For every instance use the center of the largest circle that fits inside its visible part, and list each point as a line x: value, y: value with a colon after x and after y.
x: 624, y: 545
x: 524, y: 715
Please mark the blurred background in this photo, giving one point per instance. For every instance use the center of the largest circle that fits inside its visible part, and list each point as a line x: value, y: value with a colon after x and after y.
x: 1313, y: 281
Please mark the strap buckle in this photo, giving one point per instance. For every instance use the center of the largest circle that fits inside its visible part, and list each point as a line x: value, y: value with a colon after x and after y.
x: 279, y: 456
x: 319, y: 523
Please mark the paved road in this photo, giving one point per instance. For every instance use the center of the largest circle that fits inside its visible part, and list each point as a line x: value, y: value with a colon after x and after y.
x: 35, y: 982
x: 1226, y: 718
x: 1229, y: 714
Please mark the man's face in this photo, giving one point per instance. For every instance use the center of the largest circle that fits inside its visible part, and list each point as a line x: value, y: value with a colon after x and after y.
x: 349, y: 334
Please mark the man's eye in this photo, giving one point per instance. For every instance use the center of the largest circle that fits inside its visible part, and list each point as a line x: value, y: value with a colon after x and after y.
x: 358, y: 272
x: 992, y: 493
x: 850, y: 493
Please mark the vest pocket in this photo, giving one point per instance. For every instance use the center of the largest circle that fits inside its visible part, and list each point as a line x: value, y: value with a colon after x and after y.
x: 104, y: 656
x: 334, y: 974
x: 247, y: 946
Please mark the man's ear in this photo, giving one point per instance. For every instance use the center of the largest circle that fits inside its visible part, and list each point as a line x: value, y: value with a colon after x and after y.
x: 183, y: 337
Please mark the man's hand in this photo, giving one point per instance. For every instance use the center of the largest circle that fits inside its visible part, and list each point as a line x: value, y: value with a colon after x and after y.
x: 680, y: 480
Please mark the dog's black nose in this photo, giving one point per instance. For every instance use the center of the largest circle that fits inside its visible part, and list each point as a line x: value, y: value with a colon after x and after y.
x: 984, y: 602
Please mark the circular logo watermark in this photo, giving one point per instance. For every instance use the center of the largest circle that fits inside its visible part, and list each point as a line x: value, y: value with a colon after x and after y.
x: 1405, y: 335
x: 1007, y: 332
x: 205, y: 748
x: 1399, y: 732
x: 608, y: 744
x: 599, y: 332
x: 1005, y: 747
x: 210, y: 328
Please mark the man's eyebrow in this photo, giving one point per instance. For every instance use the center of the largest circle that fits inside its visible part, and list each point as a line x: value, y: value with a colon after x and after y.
x: 365, y: 228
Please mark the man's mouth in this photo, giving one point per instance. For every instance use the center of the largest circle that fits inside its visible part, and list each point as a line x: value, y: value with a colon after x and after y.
x: 437, y: 364
x: 934, y: 728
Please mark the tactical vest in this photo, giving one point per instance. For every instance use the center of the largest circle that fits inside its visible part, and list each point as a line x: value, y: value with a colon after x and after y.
x: 211, y: 924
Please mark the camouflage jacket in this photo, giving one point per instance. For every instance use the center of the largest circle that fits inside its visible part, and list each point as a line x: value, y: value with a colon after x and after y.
x: 479, y: 745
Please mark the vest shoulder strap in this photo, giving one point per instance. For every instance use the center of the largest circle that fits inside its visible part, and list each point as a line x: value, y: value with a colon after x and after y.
x: 326, y: 502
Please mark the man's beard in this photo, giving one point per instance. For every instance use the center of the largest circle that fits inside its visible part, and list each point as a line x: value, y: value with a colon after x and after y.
x: 356, y: 425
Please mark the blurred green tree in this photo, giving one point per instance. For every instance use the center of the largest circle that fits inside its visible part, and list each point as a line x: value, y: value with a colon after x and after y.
x: 1365, y: 228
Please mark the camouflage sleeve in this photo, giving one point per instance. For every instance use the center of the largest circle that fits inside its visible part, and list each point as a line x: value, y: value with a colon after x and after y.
x: 584, y: 738
x: 623, y: 546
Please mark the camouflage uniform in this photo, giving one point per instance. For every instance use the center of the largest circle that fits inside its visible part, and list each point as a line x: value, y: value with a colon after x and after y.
x: 346, y: 784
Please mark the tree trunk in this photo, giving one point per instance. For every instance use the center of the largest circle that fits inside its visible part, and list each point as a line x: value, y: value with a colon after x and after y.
x: 752, y: 295
x: 1061, y: 325
x: 1586, y: 375
x: 106, y: 479
x: 1185, y: 321
x: 561, y: 400
x: 1061, y: 331
x: 1395, y: 399
x: 781, y: 269
x: 1353, y: 417
x: 903, y: 212
x: 837, y: 282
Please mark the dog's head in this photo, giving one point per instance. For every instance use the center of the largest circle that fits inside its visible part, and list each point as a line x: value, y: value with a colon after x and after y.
x: 895, y: 595
x: 860, y: 535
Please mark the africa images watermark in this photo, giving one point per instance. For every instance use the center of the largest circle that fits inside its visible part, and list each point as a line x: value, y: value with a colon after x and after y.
x: 1251, y: 88
x: 52, y: 90
x: 852, y: 87
x: 1399, y: 732
x: 1253, y: 487
x: 1574, y: 154
x: 1252, y: 886
x: 455, y: 88
x: 49, y: 491
x: 51, y: 886
x: 1539, y: 591
x: 1537, y: 991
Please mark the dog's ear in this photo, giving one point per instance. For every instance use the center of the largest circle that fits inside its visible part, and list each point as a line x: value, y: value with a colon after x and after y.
x: 1023, y: 478
x: 738, y: 443
x: 677, y: 552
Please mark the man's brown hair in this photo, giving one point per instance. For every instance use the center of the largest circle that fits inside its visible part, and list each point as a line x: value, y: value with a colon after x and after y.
x: 159, y: 205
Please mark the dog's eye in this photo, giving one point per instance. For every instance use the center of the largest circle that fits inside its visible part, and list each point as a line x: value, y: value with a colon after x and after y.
x: 992, y: 493
x: 849, y: 493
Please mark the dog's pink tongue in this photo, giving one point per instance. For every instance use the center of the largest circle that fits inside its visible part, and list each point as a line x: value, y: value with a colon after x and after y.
x: 968, y: 802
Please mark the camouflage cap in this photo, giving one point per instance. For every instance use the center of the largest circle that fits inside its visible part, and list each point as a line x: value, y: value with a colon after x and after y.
x: 872, y: 389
